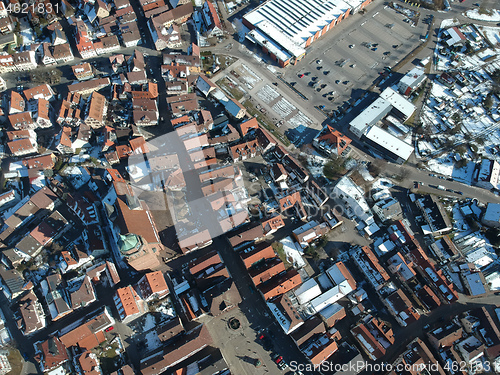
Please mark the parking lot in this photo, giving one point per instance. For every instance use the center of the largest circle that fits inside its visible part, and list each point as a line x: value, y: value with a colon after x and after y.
x: 348, y: 60
x: 280, y: 107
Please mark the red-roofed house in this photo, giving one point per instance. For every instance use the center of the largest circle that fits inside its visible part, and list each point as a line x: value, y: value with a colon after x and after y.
x: 273, y: 224
x: 211, y: 20
x: 51, y: 354
x: 332, y: 141
x: 89, y: 364
x: 128, y: 303
x: 152, y: 285
x: 374, y: 336
x: 293, y: 200
x: 23, y: 146
x: 280, y: 284
x: 255, y: 253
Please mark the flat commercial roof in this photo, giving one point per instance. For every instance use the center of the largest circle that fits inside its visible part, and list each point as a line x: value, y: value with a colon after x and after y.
x: 398, y: 101
x: 280, y: 45
x: 370, y: 115
x: 389, y: 142
x: 294, y: 21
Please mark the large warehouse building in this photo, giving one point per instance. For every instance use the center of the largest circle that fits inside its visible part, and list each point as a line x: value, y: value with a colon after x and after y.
x: 284, y: 28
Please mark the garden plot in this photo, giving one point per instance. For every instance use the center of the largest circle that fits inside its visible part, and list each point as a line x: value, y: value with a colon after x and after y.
x: 267, y: 94
x: 247, y: 76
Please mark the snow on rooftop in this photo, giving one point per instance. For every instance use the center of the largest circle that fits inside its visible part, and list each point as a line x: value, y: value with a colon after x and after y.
x: 398, y: 101
x: 492, y: 212
x: 476, y: 286
x: 293, y: 252
x: 292, y: 22
x: 330, y: 296
x: 370, y: 115
x: 389, y: 142
x: 273, y: 47
x: 307, y: 291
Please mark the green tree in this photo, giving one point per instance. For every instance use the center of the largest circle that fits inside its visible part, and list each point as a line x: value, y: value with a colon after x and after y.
x: 334, y: 168
x: 456, y: 118
x: 488, y: 101
x: 461, y: 163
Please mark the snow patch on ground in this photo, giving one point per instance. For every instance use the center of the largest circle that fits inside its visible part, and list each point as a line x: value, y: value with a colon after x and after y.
x: 283, y: 108
x: 446, y: 167
x: 267, y: 94
x: 382, y: 184
x: 315, y: 164
x: 298, y: 120
x: 475, y: 15
x: 249, y: 76
x: 449, y: 22
x: 363, y: 171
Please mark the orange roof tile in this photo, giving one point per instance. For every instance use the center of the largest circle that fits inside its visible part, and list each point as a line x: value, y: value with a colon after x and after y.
x: 128, y: 300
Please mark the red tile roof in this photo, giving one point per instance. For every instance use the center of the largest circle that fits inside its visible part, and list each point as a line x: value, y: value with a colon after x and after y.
x: 127, y: 297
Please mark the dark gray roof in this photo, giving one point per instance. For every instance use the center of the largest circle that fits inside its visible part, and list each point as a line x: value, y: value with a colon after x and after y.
x: 12, y: 279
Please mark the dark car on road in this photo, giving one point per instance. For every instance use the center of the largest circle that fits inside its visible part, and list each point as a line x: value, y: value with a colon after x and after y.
x: 265, y: 341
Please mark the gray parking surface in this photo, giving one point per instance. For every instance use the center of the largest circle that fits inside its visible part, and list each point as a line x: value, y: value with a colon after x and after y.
x: 350, y: 57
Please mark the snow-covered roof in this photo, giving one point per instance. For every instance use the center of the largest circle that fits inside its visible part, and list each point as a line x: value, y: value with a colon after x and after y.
x: 371, y: 229
x: 492, y: 212
x: 412, y: 76
x: 331, y: 310
x: 293, y: 252
x: 476, y: 286
x: 398, y: 101
x: 307, y: 291
x: 295, y: 21
x: 386, y: 247
x: 349, y: 188
x: 282, y: 50
x: 481, y: 257
x: 455, y: 35
x: 327, y: 298
x: 389, y: 142
x: 370, y: 116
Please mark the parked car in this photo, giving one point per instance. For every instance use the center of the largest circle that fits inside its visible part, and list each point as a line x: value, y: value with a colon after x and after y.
x: 109, y: 329
x: 265, y: 340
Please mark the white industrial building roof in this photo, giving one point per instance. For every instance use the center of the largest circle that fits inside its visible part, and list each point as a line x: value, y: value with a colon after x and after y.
x: 291, y: 22
x: 369, y: 116
x: 273, y: 47
x: 412, y: 76
x: 389, y: 142
x: 307, y: 291
x: 398, y: 101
